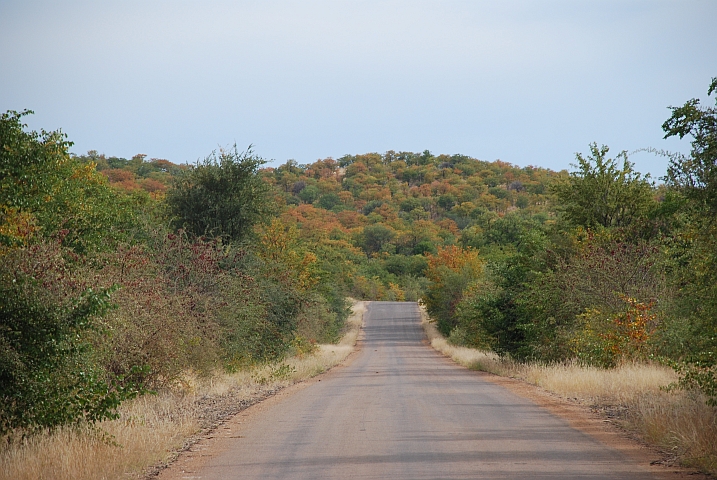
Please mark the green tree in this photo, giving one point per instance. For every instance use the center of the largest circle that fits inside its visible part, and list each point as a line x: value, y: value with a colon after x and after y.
x: 376, y: 237
x: 695, y: 175
x: 490, y: 314
x: 695, y: 178
x: 601, y: 192
x: 329, y: 201
x: 309, y: 194
x: 222, y: 196
x: 29, y: 161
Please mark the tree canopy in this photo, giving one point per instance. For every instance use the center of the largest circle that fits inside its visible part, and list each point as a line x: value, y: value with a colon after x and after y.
x: 221, y: 196
x: 695, y: 175
x: 603, y: 191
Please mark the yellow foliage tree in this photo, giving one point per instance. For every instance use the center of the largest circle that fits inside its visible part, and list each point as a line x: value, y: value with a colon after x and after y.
x: 287, y: 261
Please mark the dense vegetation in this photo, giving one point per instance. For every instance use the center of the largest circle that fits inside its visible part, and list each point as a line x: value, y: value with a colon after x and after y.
x: 113, y: 283
x: 118, y: 276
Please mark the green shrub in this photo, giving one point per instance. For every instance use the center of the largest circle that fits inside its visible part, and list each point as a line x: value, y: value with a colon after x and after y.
x: 47, y: 376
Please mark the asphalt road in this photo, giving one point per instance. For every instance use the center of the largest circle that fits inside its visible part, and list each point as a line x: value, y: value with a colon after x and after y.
x: 402, y: 411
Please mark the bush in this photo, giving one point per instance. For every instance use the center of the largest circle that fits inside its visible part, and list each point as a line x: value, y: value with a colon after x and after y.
x: 163, y: 318
x: 608, y: 340
x: 47, y: 376
x: 596, y: 276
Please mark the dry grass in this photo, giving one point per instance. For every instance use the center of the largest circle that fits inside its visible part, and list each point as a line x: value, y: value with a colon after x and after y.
x: 468, y: 357
x: 152, y: 428
x: 678, y: 422
x: 149, y: 428
x: 682, y: 424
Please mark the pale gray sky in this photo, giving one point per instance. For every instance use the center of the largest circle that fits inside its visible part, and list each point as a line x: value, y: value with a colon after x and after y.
x: 528, y: 82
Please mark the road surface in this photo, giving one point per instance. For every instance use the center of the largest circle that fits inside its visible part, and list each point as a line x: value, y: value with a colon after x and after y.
x: 400, y: 410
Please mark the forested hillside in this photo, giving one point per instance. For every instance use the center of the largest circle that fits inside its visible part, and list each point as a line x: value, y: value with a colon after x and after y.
x: 119, y: 276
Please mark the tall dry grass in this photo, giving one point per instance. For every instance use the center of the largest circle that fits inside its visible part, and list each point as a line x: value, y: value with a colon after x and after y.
x: 148, y: 429
x: 152, y: 428
x: 678, y: 422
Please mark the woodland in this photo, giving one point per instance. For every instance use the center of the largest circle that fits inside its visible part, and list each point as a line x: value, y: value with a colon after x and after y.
x: 118, y: 276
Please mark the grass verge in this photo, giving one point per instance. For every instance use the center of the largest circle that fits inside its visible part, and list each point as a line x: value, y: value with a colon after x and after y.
x: 678, y: 422
x: 152, y: 429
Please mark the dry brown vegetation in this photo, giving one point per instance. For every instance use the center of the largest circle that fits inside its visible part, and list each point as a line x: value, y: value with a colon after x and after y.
x: 153, y: 428
x: 678, y: 422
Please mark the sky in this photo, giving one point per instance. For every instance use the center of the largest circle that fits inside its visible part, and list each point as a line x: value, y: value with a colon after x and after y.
x: 526, y: 82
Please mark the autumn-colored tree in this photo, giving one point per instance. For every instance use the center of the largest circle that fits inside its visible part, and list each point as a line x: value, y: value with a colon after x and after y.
x: 277, y: 244
x: 451, y: 271
x: 606, y: 340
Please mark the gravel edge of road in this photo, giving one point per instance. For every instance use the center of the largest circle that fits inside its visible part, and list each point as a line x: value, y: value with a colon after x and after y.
x: 214, y: 411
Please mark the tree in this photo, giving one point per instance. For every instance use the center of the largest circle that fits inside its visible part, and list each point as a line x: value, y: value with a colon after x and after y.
x: 452, y: 271
x: 28, y: 171
x: 309, y: 194
x: 601, y: 192
x: 329, y: 201
x: 490, y: 314
x: 695, y: 178
x: 43, y: 189
x: 28, y: 161
x: 376, y: 237
x: 695, y: 175
x: 222, y: 196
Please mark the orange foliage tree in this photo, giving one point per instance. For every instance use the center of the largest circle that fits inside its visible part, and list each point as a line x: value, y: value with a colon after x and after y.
x: 451, y: 271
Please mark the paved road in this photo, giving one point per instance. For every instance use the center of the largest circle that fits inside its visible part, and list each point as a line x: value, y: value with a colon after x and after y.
x: 401, y: 411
